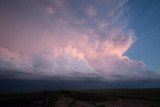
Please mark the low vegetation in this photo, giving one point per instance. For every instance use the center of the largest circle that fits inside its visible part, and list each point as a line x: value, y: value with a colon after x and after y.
x: 85, y: 98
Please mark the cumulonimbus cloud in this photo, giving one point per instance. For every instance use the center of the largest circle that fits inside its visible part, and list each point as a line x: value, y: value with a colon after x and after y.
x: 72, y: 43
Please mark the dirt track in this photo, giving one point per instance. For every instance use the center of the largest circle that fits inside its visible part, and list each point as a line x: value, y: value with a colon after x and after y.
x: 69, y: 102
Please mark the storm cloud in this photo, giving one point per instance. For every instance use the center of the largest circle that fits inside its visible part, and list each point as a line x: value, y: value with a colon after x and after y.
x: 68, y: 40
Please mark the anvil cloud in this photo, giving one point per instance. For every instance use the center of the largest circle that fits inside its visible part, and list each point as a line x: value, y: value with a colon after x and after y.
x: 68, y: 39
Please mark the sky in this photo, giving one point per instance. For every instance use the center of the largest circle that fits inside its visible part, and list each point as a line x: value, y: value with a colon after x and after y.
x: 107, y: 41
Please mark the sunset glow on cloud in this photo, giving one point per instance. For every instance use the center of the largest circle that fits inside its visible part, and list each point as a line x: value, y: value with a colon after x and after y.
x: 69, y: 39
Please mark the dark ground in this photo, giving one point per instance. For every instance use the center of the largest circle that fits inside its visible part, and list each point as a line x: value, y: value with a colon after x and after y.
x: 83, y: 98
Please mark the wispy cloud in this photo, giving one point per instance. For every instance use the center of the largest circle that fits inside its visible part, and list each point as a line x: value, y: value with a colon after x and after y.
x: 91, y: 11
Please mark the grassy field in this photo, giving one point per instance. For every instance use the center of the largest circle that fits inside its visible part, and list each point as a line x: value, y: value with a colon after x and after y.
x: 85, y: 98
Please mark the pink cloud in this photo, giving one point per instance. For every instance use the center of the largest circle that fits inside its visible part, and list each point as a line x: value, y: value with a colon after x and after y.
x: 63, y: 48
x: 91, y: 11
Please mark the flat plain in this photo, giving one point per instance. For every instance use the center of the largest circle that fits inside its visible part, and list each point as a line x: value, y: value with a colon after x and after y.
x: 83, y: 98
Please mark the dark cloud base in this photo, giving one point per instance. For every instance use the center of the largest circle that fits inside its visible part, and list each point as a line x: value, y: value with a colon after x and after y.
x: 11, y: 85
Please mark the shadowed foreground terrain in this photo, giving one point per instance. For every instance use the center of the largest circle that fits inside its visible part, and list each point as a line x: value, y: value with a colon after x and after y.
x: 83, y: 98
